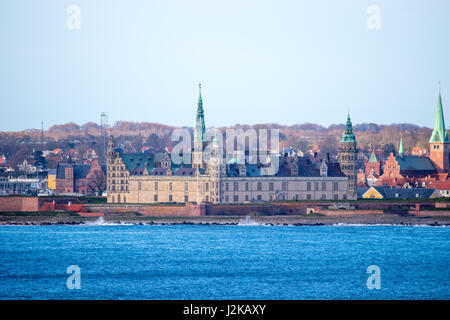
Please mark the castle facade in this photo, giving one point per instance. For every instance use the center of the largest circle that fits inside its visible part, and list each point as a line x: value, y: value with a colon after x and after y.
x: 156, y: 178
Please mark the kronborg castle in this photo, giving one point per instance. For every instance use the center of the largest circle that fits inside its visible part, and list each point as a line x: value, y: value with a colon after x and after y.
x: 154, y: 177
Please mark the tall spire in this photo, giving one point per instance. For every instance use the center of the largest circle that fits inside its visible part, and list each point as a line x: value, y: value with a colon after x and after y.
x: 439, y: 134
x: 200, y: 100
x: 400, y: 148
x: 199, y: 130
x: 348, y: 135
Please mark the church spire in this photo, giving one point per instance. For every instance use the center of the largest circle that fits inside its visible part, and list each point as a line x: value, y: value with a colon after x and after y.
x: 439, y: 134
x: 199, y: 130
x: 373, y: 157
x: 400, y: 148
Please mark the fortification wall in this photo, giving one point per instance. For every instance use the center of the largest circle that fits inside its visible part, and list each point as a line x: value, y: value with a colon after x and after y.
x: 19, y: 204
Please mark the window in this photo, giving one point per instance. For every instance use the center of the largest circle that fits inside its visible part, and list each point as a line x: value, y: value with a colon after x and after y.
x: 284, y: 186
x: 246, y: 197
x: 186, y: 198
x: 170, y: 197
x: 226, y: 186
x: 324, y: 186
x: 236, y: 186
x: 170, y: 186
x: 308, y: 186
x: 270, y: 186
x: 335, y: 186
x: 236, y: 198
x: 344, y: 197
x: 207, y: 199
x: 246, y: 186
x: 226, y: 198
x: 308, y: 197
x: 139, y: 186
x: 259, y: 186
x: 206, y: 186
x: 316, y: 185
x: 259, y: 197
x: 186, y: 187
x: 323, y: 197
x: 155, y: 198
x: 156, y: 185
x: 335, y: 196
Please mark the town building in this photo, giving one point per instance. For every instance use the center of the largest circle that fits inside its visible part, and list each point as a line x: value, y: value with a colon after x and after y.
x: 80, y: 179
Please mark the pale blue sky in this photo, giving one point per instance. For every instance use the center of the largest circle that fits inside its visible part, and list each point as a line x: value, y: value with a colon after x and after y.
x: 259, y: 61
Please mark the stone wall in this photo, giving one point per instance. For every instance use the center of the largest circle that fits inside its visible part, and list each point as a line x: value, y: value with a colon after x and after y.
x: 19, y: 204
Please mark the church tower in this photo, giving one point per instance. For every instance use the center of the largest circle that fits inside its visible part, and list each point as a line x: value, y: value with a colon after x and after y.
x: 439, y: 143
x: 199, y: 133
x: 347, y: 158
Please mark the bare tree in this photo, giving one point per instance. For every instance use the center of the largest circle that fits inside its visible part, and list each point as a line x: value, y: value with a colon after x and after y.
x: 97, y: 183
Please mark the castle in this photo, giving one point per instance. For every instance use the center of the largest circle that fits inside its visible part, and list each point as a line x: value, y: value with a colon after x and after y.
x: 156, y: 178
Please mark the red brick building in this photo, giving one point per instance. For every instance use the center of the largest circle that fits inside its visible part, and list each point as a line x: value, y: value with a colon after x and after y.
x: 81, y: 179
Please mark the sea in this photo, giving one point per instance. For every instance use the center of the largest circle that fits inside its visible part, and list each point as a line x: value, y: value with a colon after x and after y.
x: 247, y: 261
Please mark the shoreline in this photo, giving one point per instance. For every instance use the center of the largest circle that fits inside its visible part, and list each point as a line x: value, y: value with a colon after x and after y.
x: 276, y: 220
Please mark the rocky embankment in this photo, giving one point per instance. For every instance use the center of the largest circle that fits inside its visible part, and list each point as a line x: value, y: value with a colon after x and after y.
x: 291, y: 220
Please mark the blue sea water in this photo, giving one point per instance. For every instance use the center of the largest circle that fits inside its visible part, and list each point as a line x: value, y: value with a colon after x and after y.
x: 224, y: 262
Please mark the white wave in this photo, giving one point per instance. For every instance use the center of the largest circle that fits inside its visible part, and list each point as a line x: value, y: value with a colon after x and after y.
x: 101, y: 222
x: 249, y: 222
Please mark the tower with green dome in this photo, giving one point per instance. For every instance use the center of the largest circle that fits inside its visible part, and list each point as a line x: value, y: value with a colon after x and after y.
x: 439, y: 142
x: 347, y: 156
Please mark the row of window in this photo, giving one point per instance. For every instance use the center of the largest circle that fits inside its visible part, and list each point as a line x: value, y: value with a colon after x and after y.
x: 259, y: 186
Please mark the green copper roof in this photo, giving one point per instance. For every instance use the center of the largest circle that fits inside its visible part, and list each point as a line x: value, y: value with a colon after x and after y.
x: 199, y: 130
x: 348, y: 135
x: 373, y: 157
x: 439, y: 134
x: 400, y: 148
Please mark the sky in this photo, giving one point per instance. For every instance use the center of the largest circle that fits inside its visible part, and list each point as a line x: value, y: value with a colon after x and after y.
x: 277, y: 61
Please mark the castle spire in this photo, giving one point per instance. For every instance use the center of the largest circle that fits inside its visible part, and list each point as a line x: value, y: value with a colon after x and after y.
x: 199, y: 130
x: 348, y: 135
x: 439, y: 133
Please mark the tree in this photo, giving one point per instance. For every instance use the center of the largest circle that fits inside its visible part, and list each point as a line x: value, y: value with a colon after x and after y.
x: 97, y: 183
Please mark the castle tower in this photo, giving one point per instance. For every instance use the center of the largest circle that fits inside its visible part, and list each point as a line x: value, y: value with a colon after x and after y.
x: 199, y: 133
x: 110, y: 153
x: 216, y: 170
x: 439, y: 143
x: 347, y: 157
